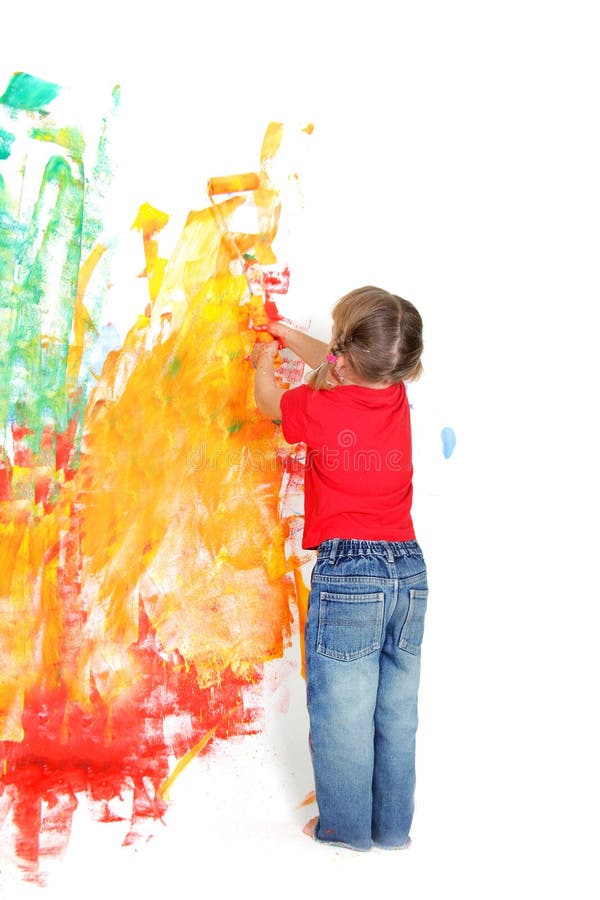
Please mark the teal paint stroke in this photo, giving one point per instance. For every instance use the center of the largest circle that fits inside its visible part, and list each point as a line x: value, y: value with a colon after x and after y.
x: 6, y: 141
x: 448, y: 442
x: 29, y: 93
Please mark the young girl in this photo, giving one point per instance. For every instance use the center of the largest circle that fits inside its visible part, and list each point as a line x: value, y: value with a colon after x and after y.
x: 369, y: 586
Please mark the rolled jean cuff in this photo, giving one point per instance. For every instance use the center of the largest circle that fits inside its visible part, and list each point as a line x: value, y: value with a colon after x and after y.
x: 336, y: 843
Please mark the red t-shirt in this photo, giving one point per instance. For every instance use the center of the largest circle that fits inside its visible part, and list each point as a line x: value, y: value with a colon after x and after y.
x: 358, y: 481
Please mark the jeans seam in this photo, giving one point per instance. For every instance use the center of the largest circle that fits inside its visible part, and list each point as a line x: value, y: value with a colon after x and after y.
x: 409, y: 581
x: 403, y: 644
x: 394, y: 602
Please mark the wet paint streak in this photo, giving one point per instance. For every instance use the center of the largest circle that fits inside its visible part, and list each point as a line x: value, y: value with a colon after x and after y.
x: 448, y: 442
x: 144, y: 571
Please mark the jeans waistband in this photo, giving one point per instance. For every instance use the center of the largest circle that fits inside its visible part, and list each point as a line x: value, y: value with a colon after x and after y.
x: 334, y: 548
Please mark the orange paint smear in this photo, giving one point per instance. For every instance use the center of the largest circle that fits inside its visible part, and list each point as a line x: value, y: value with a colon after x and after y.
x: 302, y: 594
x: 311, y: 797
x: 233, y: 184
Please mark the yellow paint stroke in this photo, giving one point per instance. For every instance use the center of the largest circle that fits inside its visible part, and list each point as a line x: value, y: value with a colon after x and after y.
x: 150, y: 221
x: 168, y: 783
x: 81, y: 318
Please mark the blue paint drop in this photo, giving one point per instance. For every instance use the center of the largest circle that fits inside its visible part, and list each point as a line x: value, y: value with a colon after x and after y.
x: 448, y: 442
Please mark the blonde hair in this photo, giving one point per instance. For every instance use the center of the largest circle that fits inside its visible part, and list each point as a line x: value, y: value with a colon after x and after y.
x: 379, y: 334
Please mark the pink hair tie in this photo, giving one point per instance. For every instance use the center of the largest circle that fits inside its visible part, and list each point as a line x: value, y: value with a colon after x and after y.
x: 331, y: 358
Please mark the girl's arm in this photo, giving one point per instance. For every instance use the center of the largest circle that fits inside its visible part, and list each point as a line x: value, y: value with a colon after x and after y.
x: 267, y: 392
x: 308, y: 348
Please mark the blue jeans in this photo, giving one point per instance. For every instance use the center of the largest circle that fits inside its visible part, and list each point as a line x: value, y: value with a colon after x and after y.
x: 363, y: 641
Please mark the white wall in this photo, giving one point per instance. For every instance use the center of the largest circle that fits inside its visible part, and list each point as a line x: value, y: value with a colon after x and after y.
x: 455, y: 160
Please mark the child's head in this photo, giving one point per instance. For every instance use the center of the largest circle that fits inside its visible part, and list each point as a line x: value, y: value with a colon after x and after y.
x: 380, y: 336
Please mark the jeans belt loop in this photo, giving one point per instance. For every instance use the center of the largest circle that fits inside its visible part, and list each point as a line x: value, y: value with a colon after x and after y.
x: 333, y: 552
x: 390, y: 555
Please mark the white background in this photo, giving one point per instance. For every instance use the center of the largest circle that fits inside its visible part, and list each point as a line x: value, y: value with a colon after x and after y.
x: 455, y: 160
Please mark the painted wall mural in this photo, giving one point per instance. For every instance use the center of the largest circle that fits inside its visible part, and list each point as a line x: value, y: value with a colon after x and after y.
x: 149, y: 560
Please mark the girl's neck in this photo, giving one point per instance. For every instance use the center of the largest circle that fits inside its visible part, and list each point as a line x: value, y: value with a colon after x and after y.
x: 351, y: 382
x: 346, y: 377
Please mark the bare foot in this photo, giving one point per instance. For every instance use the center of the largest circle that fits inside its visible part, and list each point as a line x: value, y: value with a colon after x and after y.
x: 309, y: 828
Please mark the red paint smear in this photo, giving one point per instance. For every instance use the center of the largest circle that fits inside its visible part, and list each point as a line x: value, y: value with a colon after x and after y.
x: 5, y: 476
x: 272, y: 311
x: 43, y: 487
x: 293, y: 465
x: 68, y: 750
x: 272, y: 282
x: 65, y: 449
x: 22, y: 455
x: 20, y: 431
x: 276, y: 282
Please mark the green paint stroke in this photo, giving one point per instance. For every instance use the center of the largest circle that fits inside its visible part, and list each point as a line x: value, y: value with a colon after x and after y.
x: 29, y: 93
x: 43, y: 302
x: 69, y: 138
x: 174, y: 367
x: 40, y: 262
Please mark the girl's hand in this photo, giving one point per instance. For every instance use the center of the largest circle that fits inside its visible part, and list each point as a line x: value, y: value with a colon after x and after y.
x: 264, y: 352
x: 279, y: 331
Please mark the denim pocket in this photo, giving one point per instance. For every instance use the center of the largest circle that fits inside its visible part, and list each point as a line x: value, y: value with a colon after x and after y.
x: 411, y: 636
x: 350, y: 625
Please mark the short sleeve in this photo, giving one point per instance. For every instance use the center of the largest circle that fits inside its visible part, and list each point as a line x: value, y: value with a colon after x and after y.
x: 293, y: 414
